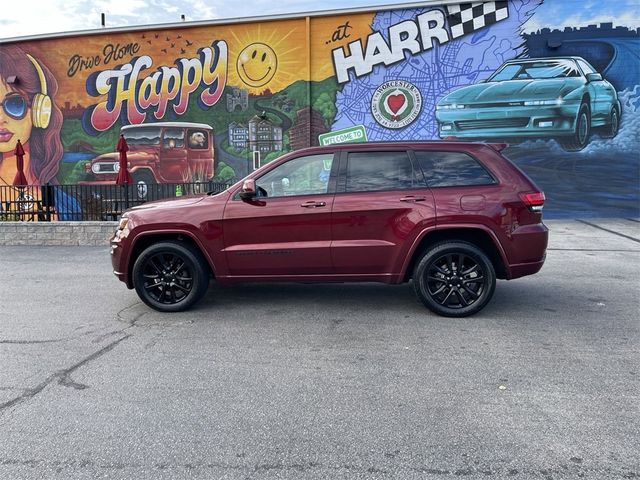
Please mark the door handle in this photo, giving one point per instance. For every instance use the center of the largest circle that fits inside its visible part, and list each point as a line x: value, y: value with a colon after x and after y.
x: 313, y: 204
x: 412, y: 199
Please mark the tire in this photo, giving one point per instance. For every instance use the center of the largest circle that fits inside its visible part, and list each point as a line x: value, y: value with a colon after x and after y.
x: 145, y: 184
x: 611, y: 130
x: 448, y: 291
x: 170, y: 276
x: 580, y: 137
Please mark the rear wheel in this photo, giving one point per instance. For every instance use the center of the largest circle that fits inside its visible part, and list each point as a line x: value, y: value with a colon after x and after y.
x: 454, y: 279
x: 611, y: 130
x: 170, y: 276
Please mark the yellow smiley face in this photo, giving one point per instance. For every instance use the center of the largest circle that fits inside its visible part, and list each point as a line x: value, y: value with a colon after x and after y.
x: 257, y: 64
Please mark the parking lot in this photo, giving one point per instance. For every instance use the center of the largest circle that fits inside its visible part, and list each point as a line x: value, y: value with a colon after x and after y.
x: 337, y: 381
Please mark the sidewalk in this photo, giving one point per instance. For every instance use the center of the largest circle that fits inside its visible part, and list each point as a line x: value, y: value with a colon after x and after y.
x: 592, y: 234
x: 613, y: 234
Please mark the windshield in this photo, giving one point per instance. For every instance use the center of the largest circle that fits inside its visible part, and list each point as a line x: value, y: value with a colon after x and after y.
x: 536, y: 70
x: 142, y: 136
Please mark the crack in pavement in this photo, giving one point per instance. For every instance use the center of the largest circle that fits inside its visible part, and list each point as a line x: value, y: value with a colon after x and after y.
x: 60, y: 340
x: 130, y: 322
x: 62, y: 376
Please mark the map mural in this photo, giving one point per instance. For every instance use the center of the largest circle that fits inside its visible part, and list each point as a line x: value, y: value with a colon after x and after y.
x: 214, y: 102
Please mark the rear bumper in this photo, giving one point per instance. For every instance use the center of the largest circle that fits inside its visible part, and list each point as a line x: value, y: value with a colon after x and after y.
x: 524, y: 269
x: 528, y: 250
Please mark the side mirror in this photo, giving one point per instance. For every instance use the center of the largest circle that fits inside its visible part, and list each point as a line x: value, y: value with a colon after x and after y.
x: 248, y: 189
x: 594, y: 77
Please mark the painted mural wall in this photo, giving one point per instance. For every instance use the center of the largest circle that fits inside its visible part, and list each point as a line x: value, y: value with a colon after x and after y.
x: 557, y: 80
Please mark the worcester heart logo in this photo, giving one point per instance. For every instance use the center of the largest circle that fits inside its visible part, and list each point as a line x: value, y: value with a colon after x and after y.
x: 396, y: 104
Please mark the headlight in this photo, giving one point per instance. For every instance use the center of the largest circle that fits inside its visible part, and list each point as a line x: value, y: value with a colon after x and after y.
x: 535, y: 103
x: 120, y: 232
x: 123, y: 223
x: 452, y: 106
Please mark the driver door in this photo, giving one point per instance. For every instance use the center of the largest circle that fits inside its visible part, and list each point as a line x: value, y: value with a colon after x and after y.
x: 286, y: 230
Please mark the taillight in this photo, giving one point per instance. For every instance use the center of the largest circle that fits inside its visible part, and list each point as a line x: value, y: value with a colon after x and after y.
x: 533, y: 200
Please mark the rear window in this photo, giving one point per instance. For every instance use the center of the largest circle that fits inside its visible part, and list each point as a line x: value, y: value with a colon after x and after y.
x: 374, y: 171
x: 452, y: 169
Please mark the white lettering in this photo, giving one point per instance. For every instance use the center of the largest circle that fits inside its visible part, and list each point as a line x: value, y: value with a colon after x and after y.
x: 432, y: 26
x: 355, y: 60
x: 400, y: 44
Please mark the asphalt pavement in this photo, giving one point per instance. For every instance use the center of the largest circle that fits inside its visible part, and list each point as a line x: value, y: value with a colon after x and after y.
x: 337, y: 381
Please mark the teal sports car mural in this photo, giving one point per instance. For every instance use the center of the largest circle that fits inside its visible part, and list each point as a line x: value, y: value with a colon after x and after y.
x: 563, y: 98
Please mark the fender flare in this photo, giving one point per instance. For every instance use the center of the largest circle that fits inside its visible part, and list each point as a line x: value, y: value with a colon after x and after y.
x: 168, y: 231
x: 455, y: 226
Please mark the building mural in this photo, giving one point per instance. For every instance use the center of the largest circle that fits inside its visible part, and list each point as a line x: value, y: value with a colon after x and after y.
x: 200, y: 102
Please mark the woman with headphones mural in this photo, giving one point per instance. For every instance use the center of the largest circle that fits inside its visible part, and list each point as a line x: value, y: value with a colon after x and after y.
x: 29, y: 114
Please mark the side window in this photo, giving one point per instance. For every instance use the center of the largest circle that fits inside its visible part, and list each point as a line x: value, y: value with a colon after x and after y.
x: 586, y: 68
x: 198, y: 139
x: 452, y: 169
x: 173, y: 138
x: 142, y: 136
x: 375, y: 171
x: 306, y: 175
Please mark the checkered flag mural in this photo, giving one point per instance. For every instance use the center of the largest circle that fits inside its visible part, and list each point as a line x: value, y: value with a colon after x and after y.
x: 469, y: 17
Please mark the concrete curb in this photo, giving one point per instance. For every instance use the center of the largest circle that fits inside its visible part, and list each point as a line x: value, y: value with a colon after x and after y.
x: 56, y: 233
x: 564, y: 233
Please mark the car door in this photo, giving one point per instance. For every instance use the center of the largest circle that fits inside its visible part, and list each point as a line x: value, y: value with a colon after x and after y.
x: 286, y: 230
x: 381, y: 204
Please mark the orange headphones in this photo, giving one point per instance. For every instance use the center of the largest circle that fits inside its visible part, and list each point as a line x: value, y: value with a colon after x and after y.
x: 41, y: 103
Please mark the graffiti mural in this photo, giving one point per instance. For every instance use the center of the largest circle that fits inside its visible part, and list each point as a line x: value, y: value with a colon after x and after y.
x: 202, y: 102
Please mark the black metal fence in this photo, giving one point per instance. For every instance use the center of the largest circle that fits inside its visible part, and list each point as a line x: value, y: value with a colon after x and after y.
x: 87, y: 202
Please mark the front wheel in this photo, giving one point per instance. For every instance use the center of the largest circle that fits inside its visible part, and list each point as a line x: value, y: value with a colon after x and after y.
x: 582, y: 133
x: 454, y: 279
x: 170, y: 276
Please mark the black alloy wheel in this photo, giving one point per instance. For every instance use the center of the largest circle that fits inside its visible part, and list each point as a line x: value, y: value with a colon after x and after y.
x: 170, y: 276
x: 454, y: 279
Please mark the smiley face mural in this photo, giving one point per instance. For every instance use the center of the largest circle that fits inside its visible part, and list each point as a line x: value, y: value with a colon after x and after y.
x: 257, y: 64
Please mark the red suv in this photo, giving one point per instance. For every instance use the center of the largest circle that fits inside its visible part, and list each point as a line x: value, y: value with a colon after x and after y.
x: 450, y: 216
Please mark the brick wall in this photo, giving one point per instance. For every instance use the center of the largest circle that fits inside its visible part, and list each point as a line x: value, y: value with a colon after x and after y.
x: 56, y: 233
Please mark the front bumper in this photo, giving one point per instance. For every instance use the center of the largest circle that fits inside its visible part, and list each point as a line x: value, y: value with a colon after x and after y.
x: 499, y: 122
x: 118, y: 261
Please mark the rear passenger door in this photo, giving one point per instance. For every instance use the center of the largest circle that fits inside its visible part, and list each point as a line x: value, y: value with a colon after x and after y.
x: 381, y: 204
